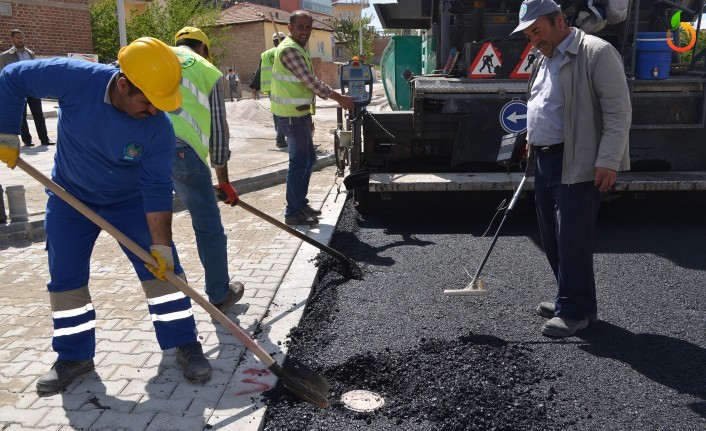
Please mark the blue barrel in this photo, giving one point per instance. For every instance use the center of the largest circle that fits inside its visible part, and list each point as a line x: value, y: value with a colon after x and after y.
x: 652, y: 55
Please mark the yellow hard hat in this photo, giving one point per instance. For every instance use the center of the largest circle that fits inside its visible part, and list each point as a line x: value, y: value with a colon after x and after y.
x: 193, y: 33
x: 153, y: 68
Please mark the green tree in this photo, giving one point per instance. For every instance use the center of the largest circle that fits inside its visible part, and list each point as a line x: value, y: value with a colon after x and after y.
x: 347, y: 33
x: 700, y: 44
x: 160, y: 21
x: 104, y: 24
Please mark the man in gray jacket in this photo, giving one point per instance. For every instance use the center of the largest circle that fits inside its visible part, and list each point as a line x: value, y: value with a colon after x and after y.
x: 19, y: 52
x: 578, y: 121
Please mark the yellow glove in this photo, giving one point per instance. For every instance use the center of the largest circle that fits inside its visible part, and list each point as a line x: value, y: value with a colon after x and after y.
x: 165, y: 260
x: 9, y: 149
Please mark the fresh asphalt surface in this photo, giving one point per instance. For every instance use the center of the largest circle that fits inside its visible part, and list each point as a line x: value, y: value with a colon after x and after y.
x: 460, y: 363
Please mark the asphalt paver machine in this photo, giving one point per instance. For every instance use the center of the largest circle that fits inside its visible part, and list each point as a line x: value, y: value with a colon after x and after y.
x: 457, y: 86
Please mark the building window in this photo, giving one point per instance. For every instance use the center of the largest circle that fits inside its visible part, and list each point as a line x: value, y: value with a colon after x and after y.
x: 339, y: 52
x: 348, y: 15
x: 317, y: 6
x: 320, y: 47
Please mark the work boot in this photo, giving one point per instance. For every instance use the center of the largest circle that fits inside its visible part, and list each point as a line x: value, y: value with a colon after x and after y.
x: 235, y: 293
x: 196, y: 366
x: 311, y: 212
x: 559, y: 327
x: 301, y: 218
x: 546, y: 310
x: 62, y: 373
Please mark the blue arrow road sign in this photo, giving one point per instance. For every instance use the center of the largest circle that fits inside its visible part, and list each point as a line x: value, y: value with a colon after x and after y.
x: 513, y: 116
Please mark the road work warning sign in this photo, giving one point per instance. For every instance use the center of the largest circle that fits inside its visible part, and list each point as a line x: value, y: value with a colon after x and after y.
x: 524, y: 67
x: 487, y: 63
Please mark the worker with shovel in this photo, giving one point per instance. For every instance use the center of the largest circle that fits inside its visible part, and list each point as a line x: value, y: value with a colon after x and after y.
x: 114, y: 153
x: 201, y: 137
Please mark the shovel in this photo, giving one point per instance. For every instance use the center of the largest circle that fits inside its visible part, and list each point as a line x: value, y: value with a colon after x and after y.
x: 295, y: 376
x: 357, y: 272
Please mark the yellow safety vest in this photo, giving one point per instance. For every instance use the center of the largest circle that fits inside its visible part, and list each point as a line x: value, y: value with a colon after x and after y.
x: 267, y: 58
x: 288, y: 92
x: 192, y: 121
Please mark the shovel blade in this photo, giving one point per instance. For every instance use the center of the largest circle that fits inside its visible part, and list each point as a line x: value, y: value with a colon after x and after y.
x: 303, y: 382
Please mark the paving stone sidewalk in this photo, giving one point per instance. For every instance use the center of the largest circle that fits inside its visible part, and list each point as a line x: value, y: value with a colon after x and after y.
x: 135, y: 385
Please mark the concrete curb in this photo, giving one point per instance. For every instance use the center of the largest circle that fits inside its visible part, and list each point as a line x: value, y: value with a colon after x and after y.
x: 33, y: 231
x: 244, y: 409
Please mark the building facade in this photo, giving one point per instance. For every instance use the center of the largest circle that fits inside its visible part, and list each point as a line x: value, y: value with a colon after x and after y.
x: 249, y: 28
x: 52, y: 28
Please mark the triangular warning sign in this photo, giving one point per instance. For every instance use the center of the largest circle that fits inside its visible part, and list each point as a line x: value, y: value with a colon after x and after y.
x: 524, y: 67
x: 487, y: 62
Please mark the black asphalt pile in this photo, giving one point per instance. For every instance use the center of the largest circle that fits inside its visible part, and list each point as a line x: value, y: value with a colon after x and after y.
x: 486, y: 384
x: 480, y: 363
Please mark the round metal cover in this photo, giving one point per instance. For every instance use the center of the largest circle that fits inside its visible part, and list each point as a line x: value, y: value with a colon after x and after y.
x: 362, y: 401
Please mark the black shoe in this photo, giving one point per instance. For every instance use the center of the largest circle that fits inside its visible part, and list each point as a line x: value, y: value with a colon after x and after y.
x: 281, y: 144
x: 301, y: 219
x: 29, y: 144
x: 48, y: 142
x: 62, y: 373
x: 235, y: 294
x: 196, y: 366
x: 311, y: 212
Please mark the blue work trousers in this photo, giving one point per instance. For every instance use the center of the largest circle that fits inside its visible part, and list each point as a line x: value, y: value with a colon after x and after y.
x: 70, y: 241
x: 192, y: 183
x: 567, y: 219
x: 302, y: 158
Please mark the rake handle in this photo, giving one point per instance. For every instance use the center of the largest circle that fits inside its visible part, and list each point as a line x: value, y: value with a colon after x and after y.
x: 131, y: 245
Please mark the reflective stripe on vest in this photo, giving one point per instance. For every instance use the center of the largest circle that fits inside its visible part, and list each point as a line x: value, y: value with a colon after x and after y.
x: 288, y: 92
x: 192, y: 121
x: 266, y: 60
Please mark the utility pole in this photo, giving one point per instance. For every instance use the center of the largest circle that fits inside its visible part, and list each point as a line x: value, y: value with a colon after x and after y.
x: 120, y: 4
x: 360, y: 36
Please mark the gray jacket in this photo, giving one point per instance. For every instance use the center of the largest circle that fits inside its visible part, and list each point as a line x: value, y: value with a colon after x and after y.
x: 597, y: 109
x: 10, y: 56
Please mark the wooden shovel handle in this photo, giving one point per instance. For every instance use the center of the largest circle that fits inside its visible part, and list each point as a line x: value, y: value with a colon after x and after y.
x: 131, y: 245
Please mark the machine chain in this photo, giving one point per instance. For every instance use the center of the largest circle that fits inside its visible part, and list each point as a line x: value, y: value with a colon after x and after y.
x: 365, y: 112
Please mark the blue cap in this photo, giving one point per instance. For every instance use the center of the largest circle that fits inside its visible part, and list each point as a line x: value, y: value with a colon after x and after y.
x: 533, y: 9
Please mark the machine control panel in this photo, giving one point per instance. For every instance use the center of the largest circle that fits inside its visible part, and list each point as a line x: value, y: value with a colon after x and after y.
x: 357, y: 81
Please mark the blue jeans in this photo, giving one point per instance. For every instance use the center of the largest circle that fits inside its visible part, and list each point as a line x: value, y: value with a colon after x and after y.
x: 302, y: 158
x: 567, y: 218
x: 192, y: 183
x: 280, y: 132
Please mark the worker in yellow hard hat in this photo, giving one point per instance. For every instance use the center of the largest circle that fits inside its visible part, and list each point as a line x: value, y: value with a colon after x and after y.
x: 114, y: 153
x: 202, y: 139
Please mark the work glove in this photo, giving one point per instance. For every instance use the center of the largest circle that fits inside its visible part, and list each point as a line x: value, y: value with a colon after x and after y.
x: 165, y: 261
x: 231, y: 197
x: 9, y: 149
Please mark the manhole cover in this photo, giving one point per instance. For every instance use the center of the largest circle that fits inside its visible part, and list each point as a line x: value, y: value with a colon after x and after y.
x: 362, y: 401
